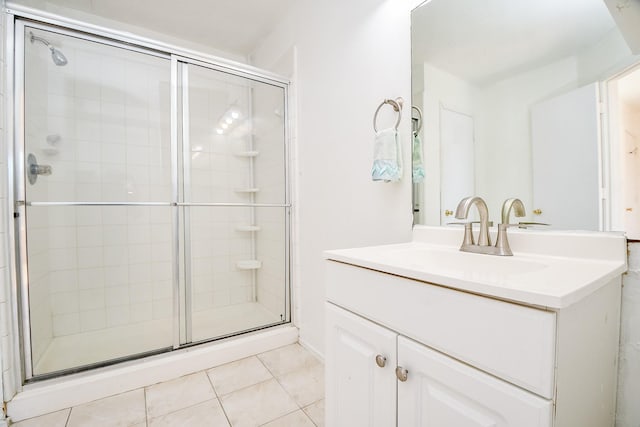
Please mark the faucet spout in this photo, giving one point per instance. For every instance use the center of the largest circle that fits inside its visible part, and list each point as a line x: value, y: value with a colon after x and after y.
x: 516, y: 205
x: 462, y: 212
x: 502, y: 243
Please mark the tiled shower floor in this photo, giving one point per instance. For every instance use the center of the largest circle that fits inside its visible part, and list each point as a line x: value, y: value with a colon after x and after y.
x: 74, y: 350
x: 280, y: 388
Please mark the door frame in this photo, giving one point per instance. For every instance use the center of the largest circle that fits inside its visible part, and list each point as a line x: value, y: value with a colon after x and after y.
x: 612, y: 180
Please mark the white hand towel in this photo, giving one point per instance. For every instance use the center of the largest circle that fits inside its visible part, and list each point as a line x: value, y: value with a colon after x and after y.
x: 387, y: 160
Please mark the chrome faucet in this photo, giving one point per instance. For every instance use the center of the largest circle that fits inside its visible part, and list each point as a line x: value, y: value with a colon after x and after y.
x: 462, y: 212
x: 502, y: 243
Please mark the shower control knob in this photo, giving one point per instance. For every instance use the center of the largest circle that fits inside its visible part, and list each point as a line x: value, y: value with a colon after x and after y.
x: 381, y: 361
x: 41, y: 169
x: 34, y: 169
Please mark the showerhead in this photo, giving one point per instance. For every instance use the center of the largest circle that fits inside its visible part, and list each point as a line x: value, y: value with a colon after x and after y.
x: 57, y: 56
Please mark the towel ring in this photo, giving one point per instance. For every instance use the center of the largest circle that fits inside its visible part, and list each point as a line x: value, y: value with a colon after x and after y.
x: 397, y: 106
x: 413, y: 107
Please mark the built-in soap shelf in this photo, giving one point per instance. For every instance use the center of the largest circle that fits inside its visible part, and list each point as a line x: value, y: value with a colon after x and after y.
x: 249, y: 264
x: 247, y: 190
x: 248, y: 228
x: 251, y: 153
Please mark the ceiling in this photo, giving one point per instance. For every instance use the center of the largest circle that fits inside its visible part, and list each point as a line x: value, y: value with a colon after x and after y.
x: 483, y: 40
x: 235, y: 26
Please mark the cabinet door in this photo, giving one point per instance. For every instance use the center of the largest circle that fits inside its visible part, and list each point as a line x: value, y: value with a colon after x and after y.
x: 359, y: 392
x: 440, y: 391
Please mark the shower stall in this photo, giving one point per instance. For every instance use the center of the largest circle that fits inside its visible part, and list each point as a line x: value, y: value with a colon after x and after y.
x: 151, y: 199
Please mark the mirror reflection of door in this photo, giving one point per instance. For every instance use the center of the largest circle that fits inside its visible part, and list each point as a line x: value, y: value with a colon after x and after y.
x: 623, y: 102
x: 565, y: 140
x: 457, y: 160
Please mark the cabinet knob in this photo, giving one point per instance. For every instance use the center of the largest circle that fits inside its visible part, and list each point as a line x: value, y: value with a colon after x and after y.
x: 537, y: 211
x: 401, y: 373
x: 448, y: 212
x: 381, y: 360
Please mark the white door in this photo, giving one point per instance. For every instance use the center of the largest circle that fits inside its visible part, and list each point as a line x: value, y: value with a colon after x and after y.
x: 359, y: 391
x: 565, y: 138
x: 442, y: 392
x: 457, y: 173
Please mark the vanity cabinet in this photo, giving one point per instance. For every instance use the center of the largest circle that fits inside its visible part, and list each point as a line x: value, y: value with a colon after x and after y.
x: 470, y: 360
x: 366, y: 388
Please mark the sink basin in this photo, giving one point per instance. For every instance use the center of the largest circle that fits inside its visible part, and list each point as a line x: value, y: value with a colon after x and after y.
x: 453, y: 261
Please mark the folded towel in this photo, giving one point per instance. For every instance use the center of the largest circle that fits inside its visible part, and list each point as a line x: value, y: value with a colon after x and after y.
x: 416, y: 159
x: 387, y: 160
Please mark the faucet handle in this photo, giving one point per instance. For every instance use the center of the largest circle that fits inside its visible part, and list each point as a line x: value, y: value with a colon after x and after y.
x: 490, y: 223
x: 468, y: 231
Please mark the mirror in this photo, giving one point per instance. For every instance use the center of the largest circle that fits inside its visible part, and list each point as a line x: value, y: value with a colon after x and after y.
x: 510, y: 93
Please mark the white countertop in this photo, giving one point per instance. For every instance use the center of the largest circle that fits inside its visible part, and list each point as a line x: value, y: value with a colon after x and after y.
x: 574, y: 266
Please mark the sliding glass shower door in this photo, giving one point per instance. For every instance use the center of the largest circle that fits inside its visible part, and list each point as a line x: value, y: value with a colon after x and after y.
x: 235, y: 202
x: 151, y: 201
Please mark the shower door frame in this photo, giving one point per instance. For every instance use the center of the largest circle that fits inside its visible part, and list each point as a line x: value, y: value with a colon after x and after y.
x: 16, y: 148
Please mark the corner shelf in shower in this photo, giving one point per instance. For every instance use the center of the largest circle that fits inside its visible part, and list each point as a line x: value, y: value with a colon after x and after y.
x: 248, y: 154
x: 249, y: 264
x: 248, y: 228
x: 247, y: 190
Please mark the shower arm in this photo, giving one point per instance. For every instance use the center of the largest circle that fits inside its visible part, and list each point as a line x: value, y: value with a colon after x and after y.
x: 41, y: 40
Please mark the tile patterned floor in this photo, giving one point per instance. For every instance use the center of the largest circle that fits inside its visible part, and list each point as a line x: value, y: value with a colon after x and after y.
x: 280, y: 388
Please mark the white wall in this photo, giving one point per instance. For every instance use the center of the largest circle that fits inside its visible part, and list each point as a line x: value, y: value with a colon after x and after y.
x: 350, y: 56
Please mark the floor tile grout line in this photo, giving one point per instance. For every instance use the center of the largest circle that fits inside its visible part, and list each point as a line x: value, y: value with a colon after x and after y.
x: 218, y: 397
x: 146, y: 415
x: 181, y: 409
x: 309, y: 416
x: 290, y: 395
x: 286, y: 415
x: 66, y: 423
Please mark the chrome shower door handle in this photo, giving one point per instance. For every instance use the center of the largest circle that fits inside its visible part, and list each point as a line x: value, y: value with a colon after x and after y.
x: 34, y: 169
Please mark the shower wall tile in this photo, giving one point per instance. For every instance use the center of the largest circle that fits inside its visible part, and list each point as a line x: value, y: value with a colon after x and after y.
x: 92, y: 320
x: 66, y: 324
x: 141, y: 312
x: 64, y: 303
x: 91, y: 299
x: 118, y: 316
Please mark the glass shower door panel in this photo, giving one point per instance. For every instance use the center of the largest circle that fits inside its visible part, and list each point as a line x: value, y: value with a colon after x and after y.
x: 98, y: 190
x: 99, y: 283
x: 236, y: 144
x: 238, y: 270
x: 101, y: 122
x: 234, y: 154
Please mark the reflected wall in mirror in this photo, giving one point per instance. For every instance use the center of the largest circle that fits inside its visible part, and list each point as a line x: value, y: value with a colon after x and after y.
x: 534, y: 100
